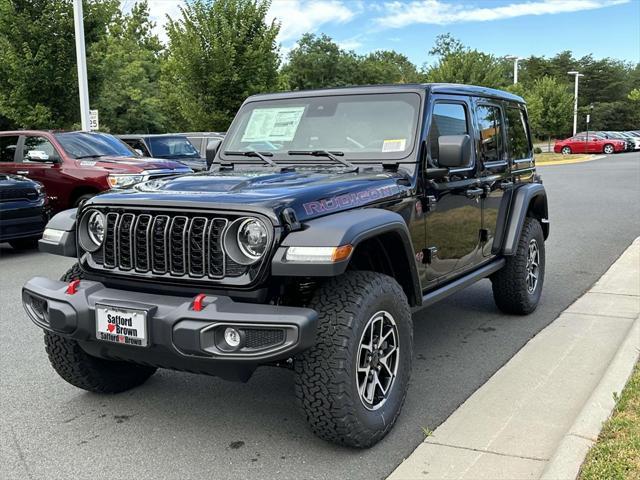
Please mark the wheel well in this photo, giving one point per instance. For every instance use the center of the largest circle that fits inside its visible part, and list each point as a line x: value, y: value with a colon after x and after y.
x: 385, y: 254
x: 538, y: 209
x: 79, y: 191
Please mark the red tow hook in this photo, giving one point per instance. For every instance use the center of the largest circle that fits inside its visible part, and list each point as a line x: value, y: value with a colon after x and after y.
x: 72, y: 288
x: 198, y: 302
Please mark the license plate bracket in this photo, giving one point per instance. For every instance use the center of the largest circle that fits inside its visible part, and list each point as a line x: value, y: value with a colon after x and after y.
x: 123, y: 325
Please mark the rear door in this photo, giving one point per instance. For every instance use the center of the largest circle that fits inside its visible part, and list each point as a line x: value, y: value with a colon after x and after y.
x: 9, y: 153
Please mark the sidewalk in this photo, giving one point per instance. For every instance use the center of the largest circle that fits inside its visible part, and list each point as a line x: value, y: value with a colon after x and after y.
x: 539, y: 414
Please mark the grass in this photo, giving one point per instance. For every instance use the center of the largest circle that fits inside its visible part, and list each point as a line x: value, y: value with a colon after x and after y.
x: 558, y: 157
x: 616, y: 455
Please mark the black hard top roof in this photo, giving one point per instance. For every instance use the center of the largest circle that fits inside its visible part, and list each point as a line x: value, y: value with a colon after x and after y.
x: 447, y: 88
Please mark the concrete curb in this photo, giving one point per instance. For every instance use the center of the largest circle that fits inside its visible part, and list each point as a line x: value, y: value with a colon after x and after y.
x: 583, y: 434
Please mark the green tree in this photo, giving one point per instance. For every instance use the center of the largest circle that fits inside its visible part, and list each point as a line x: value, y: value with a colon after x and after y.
x: 318, y: 62
x: 219, y: 53
x: 387, y: 66
x: 38, y: 79
x: 550, y: 106
x: 128, y: 62
x: 470, y: 67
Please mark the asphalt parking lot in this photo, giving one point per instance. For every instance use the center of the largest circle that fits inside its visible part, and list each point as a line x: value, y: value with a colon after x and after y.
x: 180, y: 425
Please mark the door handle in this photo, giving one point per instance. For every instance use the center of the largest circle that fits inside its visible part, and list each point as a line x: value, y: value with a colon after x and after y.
x: 23, y: 172
x: 474, y: 192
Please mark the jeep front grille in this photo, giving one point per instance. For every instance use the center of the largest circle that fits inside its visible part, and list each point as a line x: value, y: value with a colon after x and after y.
x: 160, y: 244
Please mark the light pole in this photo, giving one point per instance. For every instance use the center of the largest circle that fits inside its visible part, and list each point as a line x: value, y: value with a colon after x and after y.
x: 515, y: 67
x: 575, y: 101
x: 81, y: 59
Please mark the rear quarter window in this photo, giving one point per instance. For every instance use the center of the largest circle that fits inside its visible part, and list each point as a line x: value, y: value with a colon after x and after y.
x: 519, y: 144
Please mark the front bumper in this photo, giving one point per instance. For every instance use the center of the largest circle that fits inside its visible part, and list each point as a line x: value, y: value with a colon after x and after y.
x: 179, y: 337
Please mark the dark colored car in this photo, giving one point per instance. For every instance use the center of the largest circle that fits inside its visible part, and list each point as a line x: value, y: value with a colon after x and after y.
x: 201, y: 140
x: 174, y: 147
x: 328, y: 217
x: 74, y: 166
x: 24, y: 211
x: 589, y: 144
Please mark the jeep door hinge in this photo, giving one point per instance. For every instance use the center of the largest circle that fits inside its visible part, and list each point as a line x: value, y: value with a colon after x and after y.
x: 429, y: 203
x: 428, y: 254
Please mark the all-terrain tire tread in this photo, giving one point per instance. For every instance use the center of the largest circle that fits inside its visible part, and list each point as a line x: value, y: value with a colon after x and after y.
x: 322, y: 377
x: 509, y: 288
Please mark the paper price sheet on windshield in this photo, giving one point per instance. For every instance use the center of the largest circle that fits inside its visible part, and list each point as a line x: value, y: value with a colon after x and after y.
x: 273, y: 124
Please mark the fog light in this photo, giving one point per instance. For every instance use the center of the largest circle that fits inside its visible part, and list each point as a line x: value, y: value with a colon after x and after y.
x: 232, y: 337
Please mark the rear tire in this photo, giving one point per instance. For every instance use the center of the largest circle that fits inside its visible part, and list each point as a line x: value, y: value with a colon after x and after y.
x: 566, y: 150
x: 608, y: 149
x: 339, y: 384
x: 515, y: 290
x: 90, y: 373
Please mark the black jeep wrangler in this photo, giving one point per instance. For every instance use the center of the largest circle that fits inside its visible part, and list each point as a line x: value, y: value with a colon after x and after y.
x: 326, y: 219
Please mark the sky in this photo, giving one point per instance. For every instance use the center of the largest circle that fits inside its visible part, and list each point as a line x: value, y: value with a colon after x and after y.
x: 604, y: 28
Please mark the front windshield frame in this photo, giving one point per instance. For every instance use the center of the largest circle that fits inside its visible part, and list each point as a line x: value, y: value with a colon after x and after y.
x: 408, y: 155
x: 117, y: 147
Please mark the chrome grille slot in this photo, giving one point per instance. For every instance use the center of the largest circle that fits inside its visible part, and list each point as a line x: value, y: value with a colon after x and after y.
x: 109, y: 249
x: 159, y: 242
x: 141, y: 242
x: 197, y: 246
x: 124, y: 236
x: 177, y: 247
x: 217, y: 261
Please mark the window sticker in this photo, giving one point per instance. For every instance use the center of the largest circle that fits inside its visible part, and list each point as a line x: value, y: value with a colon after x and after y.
x: 397, y: 145
x: 273, y: 124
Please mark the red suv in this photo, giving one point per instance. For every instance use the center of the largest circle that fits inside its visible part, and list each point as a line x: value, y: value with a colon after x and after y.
x: 591, y: 144
x: 74, y: 166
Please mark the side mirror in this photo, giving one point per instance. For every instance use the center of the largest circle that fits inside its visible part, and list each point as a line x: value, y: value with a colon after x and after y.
x: 38, y: 156
x: 212, y: 149
x: 454, y: 151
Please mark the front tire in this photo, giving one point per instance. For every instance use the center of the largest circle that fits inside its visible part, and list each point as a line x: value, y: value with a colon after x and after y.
x: 352, y: 384
x: 90, y: 373
x: 608, y: 149
x: 517, y: 287
x: 566, y: 150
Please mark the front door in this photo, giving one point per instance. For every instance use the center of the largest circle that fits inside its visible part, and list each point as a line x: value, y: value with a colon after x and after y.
x: 453, y: 225
x: 40, y: 161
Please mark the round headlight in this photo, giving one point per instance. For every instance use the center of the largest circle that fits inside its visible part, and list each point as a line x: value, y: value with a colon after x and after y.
x: 252, y: 238
x: 91, y: 231
x: 95, y: 227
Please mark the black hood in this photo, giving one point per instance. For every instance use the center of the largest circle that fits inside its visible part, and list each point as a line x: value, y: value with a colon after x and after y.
x: 310, y: 192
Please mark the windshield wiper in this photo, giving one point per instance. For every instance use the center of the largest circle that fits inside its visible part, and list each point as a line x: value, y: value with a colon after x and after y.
x: 324, y: 153
x: 252, y: 153
x: 90, y: 156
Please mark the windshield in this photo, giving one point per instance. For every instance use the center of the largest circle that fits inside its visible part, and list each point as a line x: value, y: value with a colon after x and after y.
x: 84, y: 144
x: 367, y: 127
x: 172, y: 147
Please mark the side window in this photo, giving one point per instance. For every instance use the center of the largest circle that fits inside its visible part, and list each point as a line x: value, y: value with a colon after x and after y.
x: 447, y: 119
x: 8, y: 145
x: 38, y: 149
x: 490, y: 124
x: 519, y: 147
x: 138, y: 145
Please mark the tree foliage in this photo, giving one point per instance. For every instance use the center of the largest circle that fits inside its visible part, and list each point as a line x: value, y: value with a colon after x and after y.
x: 218, y: 54
x: 38, y: 75
x: 549, y: 106
x: 128, y: 62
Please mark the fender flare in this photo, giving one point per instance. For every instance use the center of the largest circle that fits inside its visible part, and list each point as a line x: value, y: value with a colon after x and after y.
x: 65, y: 246
x: 522, y: 199
x: 344, y: 228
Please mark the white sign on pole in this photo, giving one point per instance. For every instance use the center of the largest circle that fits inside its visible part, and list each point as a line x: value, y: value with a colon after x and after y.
x: 588, y: 118
x: 94, y: 124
